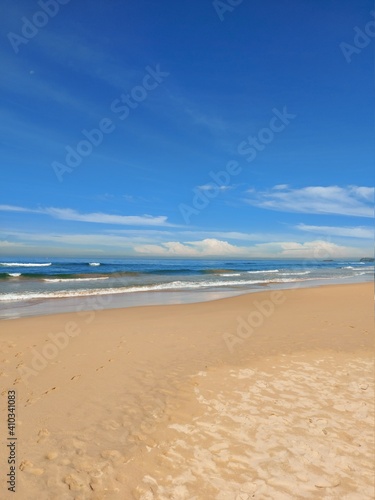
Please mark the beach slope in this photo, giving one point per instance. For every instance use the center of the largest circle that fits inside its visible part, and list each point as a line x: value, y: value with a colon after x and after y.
x: 264, y: 395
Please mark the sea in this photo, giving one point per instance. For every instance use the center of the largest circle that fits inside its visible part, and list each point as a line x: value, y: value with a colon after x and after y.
x: 31, y: 287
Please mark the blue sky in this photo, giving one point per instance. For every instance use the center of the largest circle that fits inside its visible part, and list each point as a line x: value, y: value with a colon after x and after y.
x: 190, y: 128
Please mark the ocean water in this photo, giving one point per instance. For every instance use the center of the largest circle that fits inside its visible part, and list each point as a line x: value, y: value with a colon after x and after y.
x: 26, y: 283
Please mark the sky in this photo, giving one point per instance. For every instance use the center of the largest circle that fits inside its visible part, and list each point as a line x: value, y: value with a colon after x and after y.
x: 221, y: 128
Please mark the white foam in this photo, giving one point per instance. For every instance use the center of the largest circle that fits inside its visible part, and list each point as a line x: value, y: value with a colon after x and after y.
x: 175, y: 285
x: 295, y: 274
x: 264, y: 271
x: 94, y: 263
x: 59, y: 280
x: 14, y: 275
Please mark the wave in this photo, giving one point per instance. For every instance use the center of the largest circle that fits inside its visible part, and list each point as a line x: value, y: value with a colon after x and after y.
x: 174, y: 285
x: 24, y: 276
x: 65, y: 280
x: 263, y: 271
x: 187, y: 271
x: 302, y: 273
x: 370, y: 268
x: 23, y: 264
x: 181, y: 271
x: 216, y: 271
x: 230, y: 274
x: 120, y: 274
x: 68, y: 276
x: 94, y: 263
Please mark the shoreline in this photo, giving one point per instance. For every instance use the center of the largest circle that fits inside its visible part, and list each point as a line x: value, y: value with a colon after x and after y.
x: 47, y: 307
x: 265, y: 394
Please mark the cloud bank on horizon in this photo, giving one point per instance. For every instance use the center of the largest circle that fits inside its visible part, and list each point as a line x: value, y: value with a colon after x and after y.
x: 251, y: 123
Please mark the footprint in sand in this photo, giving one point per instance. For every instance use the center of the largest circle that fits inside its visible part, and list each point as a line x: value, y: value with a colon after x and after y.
x: 27, y: 466
x: 43, y: 434
x: 49, y: 390
x: 52, y: 455
x: 111, y: 425
x: 74, y: 482
x: 75, y: 377
x: 31, y: 401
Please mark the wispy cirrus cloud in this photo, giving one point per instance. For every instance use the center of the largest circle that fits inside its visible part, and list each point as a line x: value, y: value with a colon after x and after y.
x: 213, y: 123
x: 350, y: 232
x: 94, y: 217
x: 14, y: 208
x: 83, y: 240
x: 35, y: 86
x: 215, y: 187
x: 102, y: 218
x: 82, y: 53
x: 354, y: 201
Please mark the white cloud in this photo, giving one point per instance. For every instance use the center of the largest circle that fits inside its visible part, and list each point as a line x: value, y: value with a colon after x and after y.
x: 136, y: 242
x: 351, y: 232
x: 101, y: 218
x: 209, y: 187
x: 318, y: 249
x: 351, y: 200
x: 13, y: 208
x: 96, y: 217
x: 9, y: 244
x: 364, y: 192
x: 207, y: 247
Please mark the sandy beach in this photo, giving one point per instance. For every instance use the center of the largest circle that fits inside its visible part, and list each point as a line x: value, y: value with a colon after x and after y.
x: 266, y: 395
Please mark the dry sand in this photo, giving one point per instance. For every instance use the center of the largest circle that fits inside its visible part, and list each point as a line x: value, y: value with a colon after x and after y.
x: 258, y: 396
